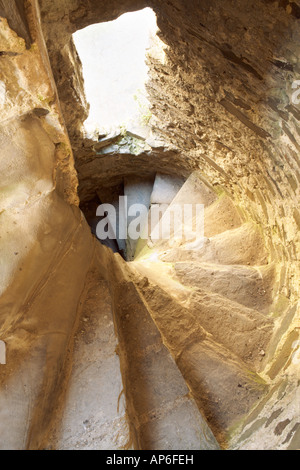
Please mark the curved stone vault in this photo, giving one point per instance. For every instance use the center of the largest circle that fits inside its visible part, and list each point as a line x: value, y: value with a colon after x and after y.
x: 181, y: 348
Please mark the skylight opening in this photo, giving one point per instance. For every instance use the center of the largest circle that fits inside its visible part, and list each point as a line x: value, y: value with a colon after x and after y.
x: 113, y: 56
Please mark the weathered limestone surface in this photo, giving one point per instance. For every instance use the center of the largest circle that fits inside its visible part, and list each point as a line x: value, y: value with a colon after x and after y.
x: 228, y: 113
x: 161, y: 411
x: 94, y: 412
x: 197, y: 297
x: 137, y: 192
x: 45, y: 242
x: 165, y: 189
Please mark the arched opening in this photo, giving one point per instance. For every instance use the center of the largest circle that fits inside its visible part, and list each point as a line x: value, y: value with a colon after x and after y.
x: 113, y: 56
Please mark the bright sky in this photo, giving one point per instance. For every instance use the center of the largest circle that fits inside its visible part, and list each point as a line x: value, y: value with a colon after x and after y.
x: 113, y: 57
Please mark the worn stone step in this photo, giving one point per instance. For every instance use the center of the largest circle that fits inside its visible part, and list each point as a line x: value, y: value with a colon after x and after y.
x: 225, y: 390
x: 220, y: 216
x: 162, y: 414
x: 193, y: 191
x: 94, y: 413
x: 244, y: 331
x: 137, y: 191
x: 220, y: 213
x: 165, y: 189
x: 251, y: 286
x: 243, y: 246
x: 224, y: 387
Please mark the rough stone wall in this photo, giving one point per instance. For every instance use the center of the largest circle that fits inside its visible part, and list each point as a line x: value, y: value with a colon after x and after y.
x: 223, y: 99
x: 60, y: 20
x: 228, y: 101
x: 226, y: 109
x: 46, y: 246
x: 226, y: 88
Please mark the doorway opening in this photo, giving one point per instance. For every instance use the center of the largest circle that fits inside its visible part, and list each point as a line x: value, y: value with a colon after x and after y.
x: 116, y: 58
x: 115, y: 71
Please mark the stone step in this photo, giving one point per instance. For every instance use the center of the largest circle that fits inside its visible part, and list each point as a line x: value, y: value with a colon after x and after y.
x: 225, y: 390
x: 244, y: 331
x: 165, y: 189
x: 94, y: 414
x: 162, y: 413
x: 193, y: 192
x: 220, y: 215
x: 223, y: 386
x: 247, y: 285
x: 242, y: 246
x: 137, y: 191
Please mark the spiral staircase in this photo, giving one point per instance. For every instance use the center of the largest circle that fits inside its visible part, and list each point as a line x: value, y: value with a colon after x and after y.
x: 191, y: 328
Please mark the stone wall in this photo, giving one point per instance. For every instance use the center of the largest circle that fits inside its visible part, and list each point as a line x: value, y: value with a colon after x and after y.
x: 227, y: 111
x: 228, y: 100
x: 227, y: 87
x: 46, y: 245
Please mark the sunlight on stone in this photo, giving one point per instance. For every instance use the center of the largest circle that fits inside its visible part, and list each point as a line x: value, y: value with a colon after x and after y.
x: 113, y: 55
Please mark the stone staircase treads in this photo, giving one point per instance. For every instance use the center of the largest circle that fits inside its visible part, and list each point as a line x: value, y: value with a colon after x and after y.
x: 220, y: 216
x: 94, y: 414
x: 161, y: 412
x: 165, y: 188
x: 193, y: 192
x: 206, y: 365
x: 138, y: 192
x: 248, y: 285
x: 224, y: 389
x: 243, y: 245
x: 244, y: 331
